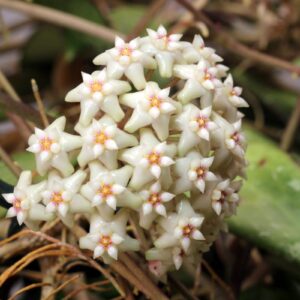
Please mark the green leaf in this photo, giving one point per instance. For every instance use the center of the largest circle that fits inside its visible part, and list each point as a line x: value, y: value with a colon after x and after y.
x: 44, y: 46
x: 125, y: 17
x: 2, y: 212
x: 269, y: 215
x: 24, y: 159
x: 76, y: 41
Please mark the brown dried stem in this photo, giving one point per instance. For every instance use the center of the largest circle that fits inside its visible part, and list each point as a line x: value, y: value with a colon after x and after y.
x: 217, y: 279
x: 181, y: 288
x: 233, y: 45
x: 62, y: 19
x: 16, y: 170
x: 63, y: 285
x: 27, y: 288
x: 39, y: 102
x: 146, y: 18
x: 18, y: 121
x: 142, y: 276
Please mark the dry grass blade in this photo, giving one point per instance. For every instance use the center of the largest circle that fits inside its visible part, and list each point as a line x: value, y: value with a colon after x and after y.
x: 27, y: 259
x: 39, y: 102
x: 59, y: 288
x: 8, y: 87
x: 14, y: 237
x: 62, y: 19
x: 94, y: 285
x: 121, y: 269
x: 16, y: 170
x: 146, y: 18
x: 22, y: 110
x: 18, y: 121
x: 27, y: 288
x: 181, y: 288
x: 221, y: 283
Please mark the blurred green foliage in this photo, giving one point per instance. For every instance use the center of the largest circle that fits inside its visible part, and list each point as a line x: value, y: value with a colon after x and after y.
x: 269, y: 213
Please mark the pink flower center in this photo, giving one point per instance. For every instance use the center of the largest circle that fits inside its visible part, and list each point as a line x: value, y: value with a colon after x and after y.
x: 105, y: 241
x: 126, y: 51
x: 207, y: 76
x: 200, y: 172
x: 45, y: 144
x: 96, y: 86
x: 236, y: 137
x: 154, y: 199
x: 105, y: 190
x: 153, y: 158
x: 57, y: 198
x: 17, y: 204
x: 187, y: 230
x: 100, y: 138
x: 202, y: 121
x: 155, y: 101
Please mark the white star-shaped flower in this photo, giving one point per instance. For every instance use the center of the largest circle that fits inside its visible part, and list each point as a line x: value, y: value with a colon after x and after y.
x: 25, y: 201
x: 233, y: 93
x: 165, y: 48
x: 107, y: 189
x: 196, y: 51
x: 193, y: 171
x: 235, y: 140
x: 102, y: 140
x: 201, y: 78
x: 153, y: 204
x: 152, y: 106
x: 51, y: 147
x: 180, y: 227
x: 62, y: 197
x: 98, y: 92
x: 128, y: 59
x: 107, y: 238
x: 151, y: 159
x: 196, y: 125
x: 225, y: 197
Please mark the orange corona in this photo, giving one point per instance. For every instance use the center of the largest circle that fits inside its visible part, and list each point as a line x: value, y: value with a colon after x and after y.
x: 105, y: 190
x: 201, y: 121
x: 125, y: 52
x: 155, y: 101
x: 105, y: 241
x: 154, y: 158
x: 187, y: 230
x: 154, y: 199
x: 100, y: 137
x: 200, y: 171
x: 57, y: 197
x: 96, y: 87
x: 46, y: 144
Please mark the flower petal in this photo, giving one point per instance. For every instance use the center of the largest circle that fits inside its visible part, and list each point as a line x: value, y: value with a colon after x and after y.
x: 113, y: 252
x: 147, y: 208
x: 155, y: 171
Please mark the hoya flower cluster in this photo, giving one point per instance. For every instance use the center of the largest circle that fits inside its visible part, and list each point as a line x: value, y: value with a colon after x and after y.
x: 166, y: 155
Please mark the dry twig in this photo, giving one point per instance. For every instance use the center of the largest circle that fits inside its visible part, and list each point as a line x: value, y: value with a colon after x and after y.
x: 233, y: 45
x: 62, y: 19
x: 146, y: 18
x: 16, y: 170
x: 27, y: 288
x: 39, y: 102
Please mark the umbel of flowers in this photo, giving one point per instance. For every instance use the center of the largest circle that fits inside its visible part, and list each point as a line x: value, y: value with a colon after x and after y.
x: 173, y: 156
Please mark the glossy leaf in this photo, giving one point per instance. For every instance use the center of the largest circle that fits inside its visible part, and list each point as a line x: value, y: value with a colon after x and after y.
x: 269, y: 215
x: 24, y: 159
